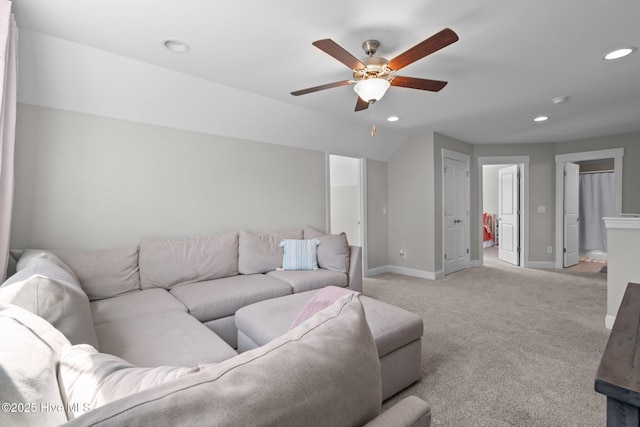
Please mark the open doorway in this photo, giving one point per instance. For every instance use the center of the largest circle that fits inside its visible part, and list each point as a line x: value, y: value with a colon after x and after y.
x: 510, y: 209
x: 595, y: 200
x: 490, y: 218
x: 346, y: 198
x: 596, y: 191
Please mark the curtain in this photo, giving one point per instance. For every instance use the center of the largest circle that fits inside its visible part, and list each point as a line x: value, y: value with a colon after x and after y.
x: 597, y: 191
x: 8, y: 42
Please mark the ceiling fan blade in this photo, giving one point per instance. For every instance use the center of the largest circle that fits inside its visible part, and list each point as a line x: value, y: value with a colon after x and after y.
x: 361, y: 104
x: 332, y: 48
x: 422, y: 84
x: 321, y: 87
x: 427, y: 47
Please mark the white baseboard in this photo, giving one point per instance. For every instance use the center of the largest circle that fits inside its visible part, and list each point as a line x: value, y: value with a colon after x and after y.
x: 609, y: 320
x: 475, y: 263
x: 377, y: 270
x: 405, y: 271
x: 541, y: 264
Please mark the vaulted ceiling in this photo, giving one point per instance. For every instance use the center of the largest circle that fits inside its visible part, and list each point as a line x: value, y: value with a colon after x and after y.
x: 511, y: 60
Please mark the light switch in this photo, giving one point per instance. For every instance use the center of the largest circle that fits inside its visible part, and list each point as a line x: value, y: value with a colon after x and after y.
x: 384, y: 210
x: 542, y: 209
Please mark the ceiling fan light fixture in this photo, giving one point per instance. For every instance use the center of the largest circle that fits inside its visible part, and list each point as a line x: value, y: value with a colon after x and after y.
x: 372, y: 90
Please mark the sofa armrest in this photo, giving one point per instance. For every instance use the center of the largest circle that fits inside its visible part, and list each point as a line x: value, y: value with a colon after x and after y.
x: 355, y: 268
x: 409, y: 412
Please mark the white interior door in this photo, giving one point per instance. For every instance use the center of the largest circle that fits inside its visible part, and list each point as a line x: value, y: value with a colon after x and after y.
x: 509, y: 215
x: 456, y: 215
x: 571, y: 214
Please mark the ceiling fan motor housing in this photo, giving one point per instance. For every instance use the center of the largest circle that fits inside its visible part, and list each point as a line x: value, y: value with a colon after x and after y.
x: 375, y: 67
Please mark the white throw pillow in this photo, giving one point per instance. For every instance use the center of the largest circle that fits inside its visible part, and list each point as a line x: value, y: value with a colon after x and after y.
x: 90, y: 379
x: 300, y: 254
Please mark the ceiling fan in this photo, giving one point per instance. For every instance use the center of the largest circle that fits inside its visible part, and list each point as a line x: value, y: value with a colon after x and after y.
x: 373, y: 75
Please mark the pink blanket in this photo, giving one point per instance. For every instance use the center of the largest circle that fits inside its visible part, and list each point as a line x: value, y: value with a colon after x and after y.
x: 324, y: 298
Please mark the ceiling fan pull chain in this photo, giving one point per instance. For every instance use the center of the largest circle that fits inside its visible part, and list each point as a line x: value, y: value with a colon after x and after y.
x: 373, y: 120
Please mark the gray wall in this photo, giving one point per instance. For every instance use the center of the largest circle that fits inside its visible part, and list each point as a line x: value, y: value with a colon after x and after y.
x: 377, y: 223
x: 90, y: 182
x: 411, y: 209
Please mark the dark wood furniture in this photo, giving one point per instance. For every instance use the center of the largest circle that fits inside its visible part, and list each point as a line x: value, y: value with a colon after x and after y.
x: 618, y: 376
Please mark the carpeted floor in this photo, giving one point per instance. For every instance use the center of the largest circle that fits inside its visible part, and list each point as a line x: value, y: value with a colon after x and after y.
x: 506, y: 346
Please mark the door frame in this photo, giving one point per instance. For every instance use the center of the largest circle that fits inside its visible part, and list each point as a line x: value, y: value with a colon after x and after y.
x: 616, y: 154
x: 523, y: 168
x: 362, y: 201
x: 461, y: 157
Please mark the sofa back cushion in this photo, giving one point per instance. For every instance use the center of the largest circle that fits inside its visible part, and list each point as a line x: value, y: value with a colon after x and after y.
x: 333, y: 249
x: 261, y: 252
x: 49, y: 291
x: 169, y: 261
x: 29, y: 353
x: 104, y: 273
x: 324, y: 372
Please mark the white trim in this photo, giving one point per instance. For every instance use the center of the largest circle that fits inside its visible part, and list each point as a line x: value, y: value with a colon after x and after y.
x: 376, y: 270
x: 422, y: 274
x: 622, y: 222
x: 617, y: 155
x: 523, y: 162
x: 454, y: 155
x: 609, y: 320
x: 465, y: 158
x: 542, y: 264
x: 327, y: 189
x: 412, y: 272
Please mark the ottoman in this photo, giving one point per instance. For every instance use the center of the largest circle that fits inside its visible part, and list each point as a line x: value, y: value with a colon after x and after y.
x: 397, y: 333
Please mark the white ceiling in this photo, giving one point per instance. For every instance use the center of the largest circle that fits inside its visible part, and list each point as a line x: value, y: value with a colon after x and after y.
x: 512, y: 58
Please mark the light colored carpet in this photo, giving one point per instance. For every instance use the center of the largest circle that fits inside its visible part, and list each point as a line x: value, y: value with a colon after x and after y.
x: 506, y: 346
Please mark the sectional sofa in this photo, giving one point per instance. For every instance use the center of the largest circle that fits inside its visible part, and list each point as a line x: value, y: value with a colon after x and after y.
x: 158, y: 321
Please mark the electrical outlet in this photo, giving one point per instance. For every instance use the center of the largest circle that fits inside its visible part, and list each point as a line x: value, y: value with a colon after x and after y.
x: 549, y: 249
x: 403, y: 253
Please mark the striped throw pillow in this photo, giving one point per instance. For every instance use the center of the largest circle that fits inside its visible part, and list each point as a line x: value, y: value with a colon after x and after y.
x: 300, y: 254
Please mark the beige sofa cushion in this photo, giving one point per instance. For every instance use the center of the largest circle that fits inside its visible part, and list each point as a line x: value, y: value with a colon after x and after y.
x: 168, y: 338
x: 90, y: 379
x: 169, y: 261
x: 214, y: 299
x: 49, y: 291
x: 333, y: 250
x: 29, y: 353
x: 260, y: 253
x: 324, y: 372
x: 307, y: 280
x: 104, y: 273
x: 155, y: 300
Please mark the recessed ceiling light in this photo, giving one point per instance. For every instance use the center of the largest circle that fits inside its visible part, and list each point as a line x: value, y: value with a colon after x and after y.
x: 619, y: 53
x: 175, y: 46
x: 393, y: 118
x: 541, y: 119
